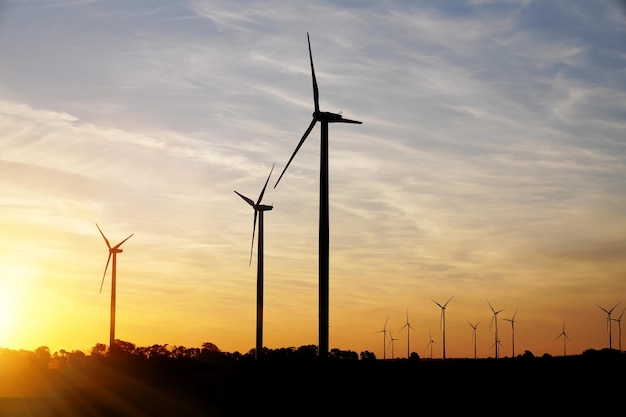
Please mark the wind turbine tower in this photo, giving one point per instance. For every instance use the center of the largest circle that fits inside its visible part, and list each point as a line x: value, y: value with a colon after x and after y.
x: 565, y: 339
x: 512, y: 320
x: 443, y: 324
x: 259, y: 209
x: 494, y: 319
x: 408, y: 327
x: 474, y: 327
x: 619, y: 329
x: 608, y: 322
x: 384, y: 332
x: 113, y: 251
x: 325, y: 118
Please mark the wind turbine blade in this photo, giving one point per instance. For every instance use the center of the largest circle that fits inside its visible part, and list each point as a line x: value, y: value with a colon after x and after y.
x: 120, y: 244
x: 253, y: 232
x: 105, y: 238
x: 265, y: 186
x: 494, y: 311
x: 105, y: 273
x: 308, y: 130
x: 246, y: 199
x: 342, y: 120
x: 316, y: 94
x: 448, y: 301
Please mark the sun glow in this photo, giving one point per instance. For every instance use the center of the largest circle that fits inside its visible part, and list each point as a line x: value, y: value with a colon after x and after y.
x: 12, y: 281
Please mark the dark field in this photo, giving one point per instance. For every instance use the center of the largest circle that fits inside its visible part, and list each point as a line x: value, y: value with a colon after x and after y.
x: 214, y: 386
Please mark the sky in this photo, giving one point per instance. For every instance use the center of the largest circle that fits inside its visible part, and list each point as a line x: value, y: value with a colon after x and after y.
x: 489, y: 170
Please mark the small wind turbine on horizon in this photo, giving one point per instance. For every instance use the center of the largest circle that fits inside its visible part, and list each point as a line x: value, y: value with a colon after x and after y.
x: 113, y: 251
x: 512, y: 320
x: 619, y: 328
x: 408, y: 327
x: 430, y: 343
x: 325, y: 118
x: 608, y: 322
x: 391, y: 342
x: 443, y: 323
x: 258, y: 214
x: 384, y: 332
x: 474, y: 327
x: 565, y: 339
x: 494, y: 319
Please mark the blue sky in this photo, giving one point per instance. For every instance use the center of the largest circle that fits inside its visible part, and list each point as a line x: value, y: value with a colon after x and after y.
x: 490, y: 165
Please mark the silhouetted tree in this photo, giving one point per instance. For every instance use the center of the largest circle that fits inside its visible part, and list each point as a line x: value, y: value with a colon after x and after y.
x: 367, y: 356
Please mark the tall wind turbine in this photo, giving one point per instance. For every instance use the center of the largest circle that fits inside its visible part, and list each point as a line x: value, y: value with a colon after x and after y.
x: 430, y: 343
x: 408, y: 327
x: 494, y: 319
x: 608, y: 322
x: 443, y: 323
x: 565, y: 339
x: 474, y: 326
x: 324, y: 118
x: 113, y: 251
x: 258, y: 213
x: 384, y: 332
x: 512, y: 320
x: 619, y: 328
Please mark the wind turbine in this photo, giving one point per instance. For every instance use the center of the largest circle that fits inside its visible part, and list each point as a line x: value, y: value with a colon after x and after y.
x: 608, y: 322
x: 474, y: 326
x: 324, y: 118
x: 619, y: 328
x: 113, y: 251
x: 408, y: 327
x: 565, y: 338
x: 430, y: 343
x: 443, y: 323
x: 391, y: 342
x: 384, y: 332
x: 258, y: 213
x: 494, y: 318
x: 512, y: 320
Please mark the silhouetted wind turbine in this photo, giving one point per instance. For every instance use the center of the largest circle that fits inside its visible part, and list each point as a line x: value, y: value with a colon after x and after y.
x: 384, y: 332
x: 494, y: 318
x: 512, y: 320
x: 430, y: 343
x: 391, y: 342
x: 113, y: 251
x: 619, y: 328
x: 324, y: 118
x: 258, y: 213
x: 474, y: 326
x: 608, y: 322
x: 565, y: 338
x: 408, y: 327
x: 443, y: 323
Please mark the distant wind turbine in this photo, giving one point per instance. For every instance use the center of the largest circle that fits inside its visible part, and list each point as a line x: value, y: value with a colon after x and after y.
x: 324, y: 118
x: 474, y: 326
x: 391, y: 342
x: 512, y: 320
x: 384, y: 332
x: 430, y: 343
x: 565, y: 339
x: 113, y: 251
x: 494, y: 319
x: 619, y: 328
x: 443, y: 323
x: 258, y: 213
x: 608, y: 322
x: 408, y: 328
